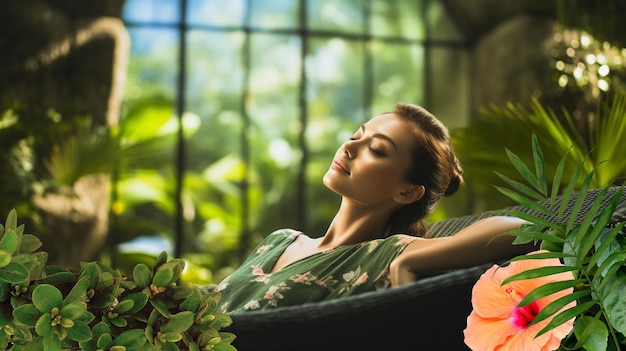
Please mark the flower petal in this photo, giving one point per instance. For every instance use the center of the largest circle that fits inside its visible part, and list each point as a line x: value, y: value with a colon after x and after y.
x: 488, y: 297
x: 486, y: 333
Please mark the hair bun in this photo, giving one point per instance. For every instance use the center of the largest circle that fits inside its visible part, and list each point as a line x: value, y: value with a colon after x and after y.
x: 456, y: 180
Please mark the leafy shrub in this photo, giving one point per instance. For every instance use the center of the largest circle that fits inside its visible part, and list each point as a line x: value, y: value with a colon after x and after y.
x: 47, y: 307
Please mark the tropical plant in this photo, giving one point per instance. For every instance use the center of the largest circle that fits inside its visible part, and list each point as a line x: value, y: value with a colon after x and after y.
x: 511, y: 128
x: 52, y: 308
x: 591, y: 249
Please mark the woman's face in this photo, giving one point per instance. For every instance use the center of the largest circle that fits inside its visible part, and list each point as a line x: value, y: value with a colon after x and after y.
x: 370, y: 168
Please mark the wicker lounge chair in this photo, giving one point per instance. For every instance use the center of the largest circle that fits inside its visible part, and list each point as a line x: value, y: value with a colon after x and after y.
x: 429, y: 314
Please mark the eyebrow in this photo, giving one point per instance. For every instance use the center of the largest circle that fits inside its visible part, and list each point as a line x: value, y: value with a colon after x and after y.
x: 381, y: 136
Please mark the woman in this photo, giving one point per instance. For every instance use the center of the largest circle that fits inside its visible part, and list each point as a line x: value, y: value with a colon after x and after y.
x: 391, y: 174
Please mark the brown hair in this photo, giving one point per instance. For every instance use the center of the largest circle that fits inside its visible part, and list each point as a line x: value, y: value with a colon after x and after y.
x: 435, y: 167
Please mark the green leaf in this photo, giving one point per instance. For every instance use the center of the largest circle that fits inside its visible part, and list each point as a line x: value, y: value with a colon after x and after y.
x: 27, y: 315
x: 192, y: 303
x: 163, y: 276
x: 536, y: 236
x: 51, y: 342
x: 529, y: 217
x: 161, y: 307
x: 558, y: 174
x: 541, y: 256
x: 591, y: 333
x: 224, y: 347
x: 78, y: 292
x: 615, y: 305
x: 523, y: 170
x: 11, y: 222
x: 124, y: 306
x: 142, y: 275
x: 91, y: 272
x: 5, y: 258
x: 105, y: 341
x: 566, y: 315
x: 540, y: 168
x: 119, y: 322
x: 160, y: 260
x: 569, y: 190
x: 522, y: 200
x: 548, y: 289
x: 539, y: 272
x: 139, y: 301
x: 133, y: 339
x: 14, y: 273
x: 46, y: 297
x: 9, y: 242
x: 606, y: 245
x: 558, y: 304
x: 178, y: 322
x: 73, y: 310
x: 79, y: 332
x: 521, y: 187
x: 176, y: 265
x: 59, y: 278
x: 30, y: 243
x: 43, y: 325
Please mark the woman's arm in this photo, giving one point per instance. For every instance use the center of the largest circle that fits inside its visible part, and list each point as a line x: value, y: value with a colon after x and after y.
x: 470, y: 246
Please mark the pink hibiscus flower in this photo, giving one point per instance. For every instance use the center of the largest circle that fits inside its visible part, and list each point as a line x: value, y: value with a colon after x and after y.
x: 497, y: 323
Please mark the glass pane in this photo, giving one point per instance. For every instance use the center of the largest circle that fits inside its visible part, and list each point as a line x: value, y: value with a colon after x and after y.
x: 153, y: 62
x: 343, y: 16
x: 143, y: 206
x: 400, y: 18
x: 216, y: 12
x: 450, y: 85
x: 335, y: 95
x: 398, y: 75
x: 151, y: 11
x: 274, y: 14
x: 275, y: 127
x: 214, y: 163
x: 440, y: 25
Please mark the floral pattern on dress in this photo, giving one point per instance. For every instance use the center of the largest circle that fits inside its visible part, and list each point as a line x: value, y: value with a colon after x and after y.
x: 275, y: 293
x: 334, y: 273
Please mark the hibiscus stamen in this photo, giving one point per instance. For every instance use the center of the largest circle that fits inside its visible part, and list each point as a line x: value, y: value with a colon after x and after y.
x: 521, y: 317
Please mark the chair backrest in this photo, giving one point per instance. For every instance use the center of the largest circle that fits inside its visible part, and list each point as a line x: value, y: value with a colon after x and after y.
x: 451, y: 226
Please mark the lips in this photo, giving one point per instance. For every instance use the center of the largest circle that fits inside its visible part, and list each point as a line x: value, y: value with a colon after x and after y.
x: 339, y: 166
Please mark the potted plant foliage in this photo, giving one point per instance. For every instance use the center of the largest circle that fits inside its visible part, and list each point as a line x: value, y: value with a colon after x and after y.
x: 95, y: 307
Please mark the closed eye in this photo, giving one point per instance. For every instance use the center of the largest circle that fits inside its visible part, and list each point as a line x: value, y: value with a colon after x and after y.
x: 376, y: 152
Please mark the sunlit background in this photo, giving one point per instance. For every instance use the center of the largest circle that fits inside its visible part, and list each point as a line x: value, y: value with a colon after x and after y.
x: 231, y: 111
x: 267, y: 91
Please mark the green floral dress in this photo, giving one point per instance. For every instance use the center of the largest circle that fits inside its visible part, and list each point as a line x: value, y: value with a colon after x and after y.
x: 338, y: 272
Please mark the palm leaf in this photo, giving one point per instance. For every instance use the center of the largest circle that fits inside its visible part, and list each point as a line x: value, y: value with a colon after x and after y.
x: 522, y: 200
x: 586, y: 241
x: 549, y: 289
x: 541, y: 256
x: 521, y: 187
x: 535, y: 235
x: 540, y: 166
x: 567, y: 315
x: 521, y: 167
x: 540, y: 272
x: 557, y: 305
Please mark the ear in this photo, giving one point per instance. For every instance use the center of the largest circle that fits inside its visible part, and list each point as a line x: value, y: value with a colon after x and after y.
x: 414, y: 193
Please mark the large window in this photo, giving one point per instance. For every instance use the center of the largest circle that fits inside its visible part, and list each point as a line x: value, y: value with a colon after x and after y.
x: 262, y: 93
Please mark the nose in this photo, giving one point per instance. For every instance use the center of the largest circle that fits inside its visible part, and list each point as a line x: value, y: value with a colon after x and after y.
x: 349, y: 148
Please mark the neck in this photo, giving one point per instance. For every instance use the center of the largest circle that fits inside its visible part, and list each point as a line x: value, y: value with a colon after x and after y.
x: 355, y: 223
